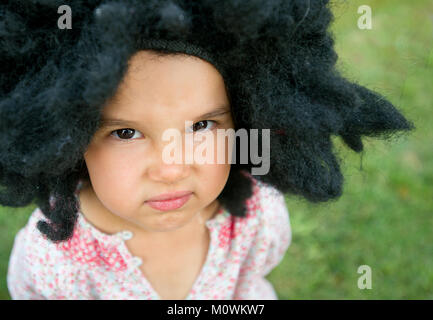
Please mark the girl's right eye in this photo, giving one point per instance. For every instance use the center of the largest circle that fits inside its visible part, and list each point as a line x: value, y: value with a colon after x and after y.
x: 125, y: 134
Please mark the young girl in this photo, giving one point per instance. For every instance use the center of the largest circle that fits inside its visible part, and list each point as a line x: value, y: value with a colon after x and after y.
x: 83, y: 113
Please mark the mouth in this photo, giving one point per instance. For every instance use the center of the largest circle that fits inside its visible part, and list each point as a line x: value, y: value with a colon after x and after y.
x: 167, y: 202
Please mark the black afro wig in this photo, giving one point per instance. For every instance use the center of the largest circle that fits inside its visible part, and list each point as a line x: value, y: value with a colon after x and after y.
x: 277, y: 59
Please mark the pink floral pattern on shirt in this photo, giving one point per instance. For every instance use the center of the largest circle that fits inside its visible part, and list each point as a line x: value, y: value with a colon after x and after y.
x: 89, y: 251
x: 95, y: 265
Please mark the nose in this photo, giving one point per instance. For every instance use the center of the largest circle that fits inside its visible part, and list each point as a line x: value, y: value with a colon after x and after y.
x: 168, y: 173
x: 164, y: 172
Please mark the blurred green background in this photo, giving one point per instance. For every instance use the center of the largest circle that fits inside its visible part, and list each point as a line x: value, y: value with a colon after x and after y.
x: 385, y: 217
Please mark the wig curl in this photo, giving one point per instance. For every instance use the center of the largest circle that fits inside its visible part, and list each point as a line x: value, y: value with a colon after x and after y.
x: 277, y: 59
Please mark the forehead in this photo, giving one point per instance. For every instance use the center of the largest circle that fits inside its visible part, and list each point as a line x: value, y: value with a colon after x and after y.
x: 156, y: 86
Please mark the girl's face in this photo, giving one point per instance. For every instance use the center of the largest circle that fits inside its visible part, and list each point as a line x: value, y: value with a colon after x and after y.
x: 124, y: 158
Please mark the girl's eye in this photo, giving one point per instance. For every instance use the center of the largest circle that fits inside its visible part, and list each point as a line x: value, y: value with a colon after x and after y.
x: 125, y: 134
x: 199, y: 126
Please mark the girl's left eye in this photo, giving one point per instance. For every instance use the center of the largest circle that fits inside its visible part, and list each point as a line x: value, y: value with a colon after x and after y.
x: 125, y: 133
x: 198, y: 126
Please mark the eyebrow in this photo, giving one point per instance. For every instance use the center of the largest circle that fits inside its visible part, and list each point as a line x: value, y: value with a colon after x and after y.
x: 219, y: 111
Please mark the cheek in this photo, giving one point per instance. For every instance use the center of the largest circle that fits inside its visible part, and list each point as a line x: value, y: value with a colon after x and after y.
x: 113, y: 175
x: 211, y: 179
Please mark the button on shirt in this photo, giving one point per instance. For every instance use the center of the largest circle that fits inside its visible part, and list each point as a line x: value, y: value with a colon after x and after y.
x: 96, y: 265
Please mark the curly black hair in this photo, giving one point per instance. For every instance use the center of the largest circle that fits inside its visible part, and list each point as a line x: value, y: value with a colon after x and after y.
x: 277, y: 59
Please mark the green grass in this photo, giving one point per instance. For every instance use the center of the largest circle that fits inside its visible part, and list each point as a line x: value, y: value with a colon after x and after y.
x: 385, y: 217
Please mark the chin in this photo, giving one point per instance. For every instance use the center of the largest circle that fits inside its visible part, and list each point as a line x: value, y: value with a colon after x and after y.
x: 170, y: 221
